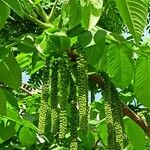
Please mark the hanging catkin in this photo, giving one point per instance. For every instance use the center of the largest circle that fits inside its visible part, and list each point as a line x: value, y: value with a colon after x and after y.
x: 109, y: 113
x: 118, y: 119
x: 44, y: 98
x: 63, y: 101
x: 114, y: 116
x: 73, y: 115
x: 54, y: 99
x: 82, y: 86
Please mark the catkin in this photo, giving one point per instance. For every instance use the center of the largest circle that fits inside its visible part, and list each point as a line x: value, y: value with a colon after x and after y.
x: 54, y: 99
x: 63, y: 101
x: 44, y: 98
x: 82, y: 85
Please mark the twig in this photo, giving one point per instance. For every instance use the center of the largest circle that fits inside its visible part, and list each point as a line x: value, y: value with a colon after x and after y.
x: 26, y: 91
x: 41, y: 12
x: 52, y: 11
x: 11, y: 45
x: 38, y: 22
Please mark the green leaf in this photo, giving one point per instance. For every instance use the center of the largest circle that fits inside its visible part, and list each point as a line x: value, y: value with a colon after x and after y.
x: 15, y: 6
x: 120, y: 64
x: 8, y: 129
x: 85, y: 38
x: 27, y: 137
x: 88, y: 140
x: 94, y: 53
x: 74, y: 13
x: 3, y: 53
x: 102, y: 131
x: 26, y: 44
x: 2, y: 103
x: 99, y: 38
x: 91, y: 11
x: 142, y: 80
x: 13, y: 115
x: 10, y: 72
x: 11, y: 99
x: 4, y: 13
x: 134, y: 14
x: 135, y: 135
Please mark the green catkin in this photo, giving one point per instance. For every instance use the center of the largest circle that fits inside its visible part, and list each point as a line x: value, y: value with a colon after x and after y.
x: 118, y: 119
x: 114, y: 116
x: 82, y: 85
x: 109, y: 114
x: 54, y: 99
x: 44, y: 98
x: 63, y: 101
x: 73, y: 116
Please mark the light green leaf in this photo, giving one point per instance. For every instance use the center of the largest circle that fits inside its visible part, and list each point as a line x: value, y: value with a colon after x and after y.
x: 91, y: 11
x: 142, y: 80
x: 120, y: 64
x: 27, y: 137
x: 15, y: 6
x: 135, y: 135
x: 134, y: 14
x: 10, y: 72
x: 4, y: 13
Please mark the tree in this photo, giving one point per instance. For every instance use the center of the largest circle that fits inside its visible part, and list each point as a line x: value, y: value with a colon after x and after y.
x: 73, y: 52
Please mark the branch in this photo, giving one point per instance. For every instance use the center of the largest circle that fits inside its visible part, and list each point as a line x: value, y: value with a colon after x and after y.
x: 128, y: 112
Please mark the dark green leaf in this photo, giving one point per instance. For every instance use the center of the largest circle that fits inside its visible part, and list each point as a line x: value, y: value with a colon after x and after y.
x: 85, y: 38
